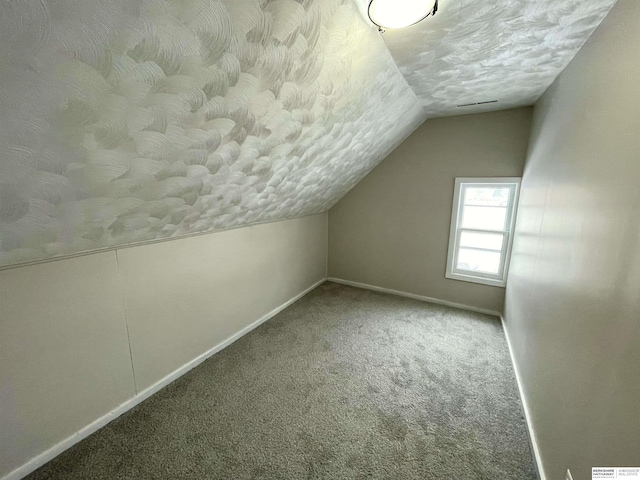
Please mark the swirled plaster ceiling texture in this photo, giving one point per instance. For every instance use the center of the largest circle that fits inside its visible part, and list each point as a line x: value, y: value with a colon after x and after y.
x: 477, y: 51
x: 125, y: 121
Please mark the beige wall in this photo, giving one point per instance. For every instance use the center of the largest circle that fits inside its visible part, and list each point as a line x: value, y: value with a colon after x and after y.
x: 64, y: 348
x: 183, y: 297
x: 64, y: 357
x: 392, y: 229
x: 573, y: 296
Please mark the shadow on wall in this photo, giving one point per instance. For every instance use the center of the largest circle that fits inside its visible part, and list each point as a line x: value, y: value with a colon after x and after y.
x: 134, y: 121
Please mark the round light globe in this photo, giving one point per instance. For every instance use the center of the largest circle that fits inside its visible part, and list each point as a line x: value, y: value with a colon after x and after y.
x: 399, y: 13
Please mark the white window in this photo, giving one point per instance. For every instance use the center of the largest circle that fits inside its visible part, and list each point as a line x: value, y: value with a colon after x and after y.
x: 484, y: 211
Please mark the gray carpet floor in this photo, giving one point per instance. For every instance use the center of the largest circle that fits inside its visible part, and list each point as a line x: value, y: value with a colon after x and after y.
x: 344, y: 384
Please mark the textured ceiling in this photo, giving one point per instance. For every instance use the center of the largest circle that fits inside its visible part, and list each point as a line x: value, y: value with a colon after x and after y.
x: 134, y: 120
x: 124, y: 121
x: 507, y: 50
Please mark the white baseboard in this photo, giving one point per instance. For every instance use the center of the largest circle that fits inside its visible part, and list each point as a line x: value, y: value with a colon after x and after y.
x: 525, y: 407
x: 414, y: 296
x: 83, y: 433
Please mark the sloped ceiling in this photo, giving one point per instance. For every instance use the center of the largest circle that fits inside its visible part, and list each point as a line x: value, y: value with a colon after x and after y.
x: 476, y: 51
x: 136, y: 120
x: 124, y: 121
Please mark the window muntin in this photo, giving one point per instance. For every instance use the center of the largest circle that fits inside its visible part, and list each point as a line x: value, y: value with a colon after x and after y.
x: 482, y: 229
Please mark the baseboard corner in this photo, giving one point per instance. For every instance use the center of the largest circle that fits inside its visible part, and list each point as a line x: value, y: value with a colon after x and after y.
x: 414, y: 296
x: 49, y: 454
x: 535, y: 450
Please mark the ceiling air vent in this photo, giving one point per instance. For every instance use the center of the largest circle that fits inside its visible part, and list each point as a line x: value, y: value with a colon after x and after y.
x: 477, y: 103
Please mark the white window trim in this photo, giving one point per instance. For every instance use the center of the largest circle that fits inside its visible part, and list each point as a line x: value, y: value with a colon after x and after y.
x: 499, y: 280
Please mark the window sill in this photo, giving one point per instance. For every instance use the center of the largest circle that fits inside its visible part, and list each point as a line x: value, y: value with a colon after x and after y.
x: 473, y: 279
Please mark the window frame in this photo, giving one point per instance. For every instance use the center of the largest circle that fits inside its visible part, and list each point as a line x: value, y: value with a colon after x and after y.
x: 456, y: 230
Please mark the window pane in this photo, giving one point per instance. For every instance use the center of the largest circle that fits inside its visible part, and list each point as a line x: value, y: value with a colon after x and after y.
x: 478, y: 261
x: 497, y: 197
x: 484, y: 218
x: 491, y: 241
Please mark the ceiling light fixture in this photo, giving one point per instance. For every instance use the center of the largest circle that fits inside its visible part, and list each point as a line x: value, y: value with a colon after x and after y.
x: 400, y: 13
